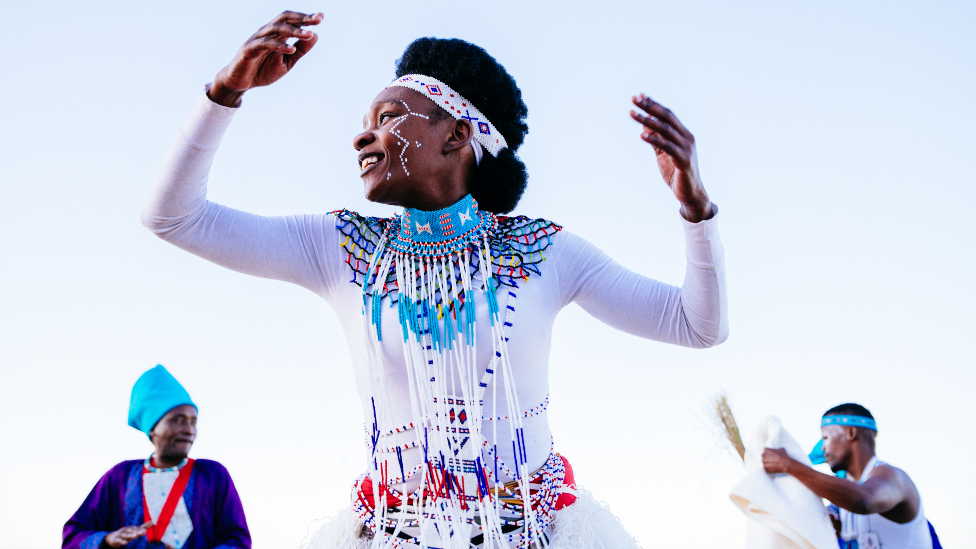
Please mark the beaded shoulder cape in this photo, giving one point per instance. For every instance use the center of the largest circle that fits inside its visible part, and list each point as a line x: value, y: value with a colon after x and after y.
x: 430, y: 266
x: 518, y: 244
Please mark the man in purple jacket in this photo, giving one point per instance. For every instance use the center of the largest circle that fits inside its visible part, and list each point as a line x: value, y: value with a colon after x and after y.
x: 167, y: 500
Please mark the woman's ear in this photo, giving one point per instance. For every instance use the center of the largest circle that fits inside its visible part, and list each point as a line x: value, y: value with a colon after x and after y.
x: 461, y: 136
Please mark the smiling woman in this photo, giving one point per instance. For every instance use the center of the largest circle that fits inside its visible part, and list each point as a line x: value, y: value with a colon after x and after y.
x: 448, y: 307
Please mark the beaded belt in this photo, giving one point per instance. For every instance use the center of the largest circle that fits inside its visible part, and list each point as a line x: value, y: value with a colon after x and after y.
x: 551, y: 488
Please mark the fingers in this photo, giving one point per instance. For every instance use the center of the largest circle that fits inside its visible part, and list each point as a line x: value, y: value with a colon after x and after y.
x: 296, y: 18
x: 661, y: 127
x: 681, y: 156
x: 284, y: 31
x: 664, y: 131
x: 260, y: 46
x: 127, y: 534
x: 273, y: 37
x: 133, y: 532
x: 146, y: 524
x: 301, y: 48
x: 659, y: 112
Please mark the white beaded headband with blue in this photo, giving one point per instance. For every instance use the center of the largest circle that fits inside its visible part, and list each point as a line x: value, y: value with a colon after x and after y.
x: 485, y: 134
x: 850, y: 421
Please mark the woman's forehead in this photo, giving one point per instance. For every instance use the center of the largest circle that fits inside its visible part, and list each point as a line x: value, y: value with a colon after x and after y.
x: 400, y: 95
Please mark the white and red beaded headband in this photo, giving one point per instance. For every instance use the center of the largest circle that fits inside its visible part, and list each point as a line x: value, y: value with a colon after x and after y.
x: 459, y: 107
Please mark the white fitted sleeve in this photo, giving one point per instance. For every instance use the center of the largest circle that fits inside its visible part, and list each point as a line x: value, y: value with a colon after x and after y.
x: 694, y: 315
x: 289, y: 248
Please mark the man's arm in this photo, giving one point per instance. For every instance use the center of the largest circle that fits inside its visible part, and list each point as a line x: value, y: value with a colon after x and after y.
x: 95, y: 523
x: 880, y: 493
x: 229, y: 525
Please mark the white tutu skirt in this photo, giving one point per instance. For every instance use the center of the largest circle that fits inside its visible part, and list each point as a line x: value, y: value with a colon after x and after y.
x: 586, y: 524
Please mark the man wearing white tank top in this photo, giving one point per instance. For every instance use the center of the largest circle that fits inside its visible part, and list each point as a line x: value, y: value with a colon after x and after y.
x: 880, y: 506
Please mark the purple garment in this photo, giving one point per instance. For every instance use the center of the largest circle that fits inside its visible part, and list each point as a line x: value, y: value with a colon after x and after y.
x: 116, y: 501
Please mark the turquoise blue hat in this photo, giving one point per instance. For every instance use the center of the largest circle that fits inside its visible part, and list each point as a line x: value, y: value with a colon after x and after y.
x: 154, y: 394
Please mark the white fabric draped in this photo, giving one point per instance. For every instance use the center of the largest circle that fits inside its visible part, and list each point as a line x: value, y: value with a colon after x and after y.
x: 783, y: 513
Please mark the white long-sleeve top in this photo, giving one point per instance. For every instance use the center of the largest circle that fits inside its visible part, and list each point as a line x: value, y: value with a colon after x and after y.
x: 306, y: 250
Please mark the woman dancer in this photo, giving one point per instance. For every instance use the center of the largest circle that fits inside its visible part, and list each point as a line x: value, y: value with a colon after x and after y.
x: 448, y: 307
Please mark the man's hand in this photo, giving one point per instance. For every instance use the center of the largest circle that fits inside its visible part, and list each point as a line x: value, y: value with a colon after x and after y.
x: 265, y: 57
x: 676, y: 157
x: 776, y: 460
x: 125, y: 534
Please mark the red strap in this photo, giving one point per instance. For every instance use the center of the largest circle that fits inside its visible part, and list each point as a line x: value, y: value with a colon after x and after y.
x: 156, y: 531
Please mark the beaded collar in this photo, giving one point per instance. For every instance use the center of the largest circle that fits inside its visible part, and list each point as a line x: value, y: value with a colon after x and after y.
x: 148, y: 466
x: 440, y: 232
x: 518, y: 244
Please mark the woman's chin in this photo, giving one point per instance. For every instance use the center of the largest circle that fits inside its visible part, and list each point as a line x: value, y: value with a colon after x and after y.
x: 372, y: 194
x: 377, y: 191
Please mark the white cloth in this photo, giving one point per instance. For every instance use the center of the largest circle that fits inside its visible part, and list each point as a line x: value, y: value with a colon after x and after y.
x: 156, y: 487
x: 911, y: 535
x: 783, y: 513
x: 305, y: 250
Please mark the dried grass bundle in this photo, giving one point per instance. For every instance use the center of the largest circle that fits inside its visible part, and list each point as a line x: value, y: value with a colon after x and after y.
x: 727, y: 425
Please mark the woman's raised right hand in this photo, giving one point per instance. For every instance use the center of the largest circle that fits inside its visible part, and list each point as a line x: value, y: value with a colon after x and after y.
x: 265, y: 57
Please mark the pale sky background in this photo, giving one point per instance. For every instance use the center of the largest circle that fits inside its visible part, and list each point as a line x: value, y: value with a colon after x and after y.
x: 835, y: 136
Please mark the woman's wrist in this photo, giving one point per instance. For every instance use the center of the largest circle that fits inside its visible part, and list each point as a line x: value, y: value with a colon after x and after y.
x: 222, y: 95
x: 697, y: 212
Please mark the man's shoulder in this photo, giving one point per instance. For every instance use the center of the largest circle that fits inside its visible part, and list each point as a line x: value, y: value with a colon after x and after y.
x: 211, y: 467
x: 126, y: 466
x: 896, y: 477
x: 885, y: 469
x: 120, y: 471
x: 888, y: 471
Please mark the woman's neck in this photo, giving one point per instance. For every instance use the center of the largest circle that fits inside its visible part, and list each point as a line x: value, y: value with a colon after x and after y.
x: 437, y: 201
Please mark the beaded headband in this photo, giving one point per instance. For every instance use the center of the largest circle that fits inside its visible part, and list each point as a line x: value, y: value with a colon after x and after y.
x: 460, y: 108
x: 850, y: 421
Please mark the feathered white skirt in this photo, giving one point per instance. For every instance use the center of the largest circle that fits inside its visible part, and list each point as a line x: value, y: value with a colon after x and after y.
x: 586, y: 524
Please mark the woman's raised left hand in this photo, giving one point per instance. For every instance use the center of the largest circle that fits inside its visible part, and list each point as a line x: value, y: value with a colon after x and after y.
x: 676, y: 157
